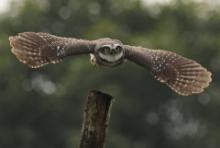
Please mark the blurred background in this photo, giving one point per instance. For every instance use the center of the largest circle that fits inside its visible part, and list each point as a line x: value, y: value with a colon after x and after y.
x: 43, y: 108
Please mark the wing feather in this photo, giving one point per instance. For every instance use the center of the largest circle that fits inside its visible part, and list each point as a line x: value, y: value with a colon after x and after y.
x: 39, y: 49
x: 182, y: 75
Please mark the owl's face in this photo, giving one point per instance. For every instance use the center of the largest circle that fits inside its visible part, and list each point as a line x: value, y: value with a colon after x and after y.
x: 110, y: 54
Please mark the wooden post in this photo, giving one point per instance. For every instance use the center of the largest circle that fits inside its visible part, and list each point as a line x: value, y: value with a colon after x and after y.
x: 96, y: 117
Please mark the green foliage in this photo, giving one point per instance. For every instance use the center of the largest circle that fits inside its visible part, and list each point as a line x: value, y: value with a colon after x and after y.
x: 43, y: 107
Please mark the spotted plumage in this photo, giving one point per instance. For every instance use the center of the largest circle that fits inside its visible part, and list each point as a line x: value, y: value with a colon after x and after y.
x: 182, y: 75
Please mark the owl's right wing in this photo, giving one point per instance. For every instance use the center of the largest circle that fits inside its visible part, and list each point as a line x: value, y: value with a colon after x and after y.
x: 39, y: 49
x: 182, y: 75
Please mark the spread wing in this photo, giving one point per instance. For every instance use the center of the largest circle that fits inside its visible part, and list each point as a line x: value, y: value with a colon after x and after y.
x: 181, y: 74
x: 39, y: 49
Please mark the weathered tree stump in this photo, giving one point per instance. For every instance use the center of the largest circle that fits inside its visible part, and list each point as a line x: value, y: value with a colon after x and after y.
x: 96, y: 118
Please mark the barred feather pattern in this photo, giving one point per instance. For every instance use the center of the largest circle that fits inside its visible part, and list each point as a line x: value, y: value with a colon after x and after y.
x: 182, y: 75
x: 37, y: 49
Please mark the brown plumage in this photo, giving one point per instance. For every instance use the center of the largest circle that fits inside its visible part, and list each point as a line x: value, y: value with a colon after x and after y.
x: 39, y: 49
x: 182, y: 75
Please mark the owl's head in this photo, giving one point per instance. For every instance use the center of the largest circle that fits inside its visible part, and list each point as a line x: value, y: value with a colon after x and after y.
x: 109, y: 53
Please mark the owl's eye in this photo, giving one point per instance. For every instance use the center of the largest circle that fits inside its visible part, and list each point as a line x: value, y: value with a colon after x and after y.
x: 118, y: 48
x: 105, y: 50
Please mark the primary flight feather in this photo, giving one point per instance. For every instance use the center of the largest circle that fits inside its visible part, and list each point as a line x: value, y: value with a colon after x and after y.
x: 182, y: 75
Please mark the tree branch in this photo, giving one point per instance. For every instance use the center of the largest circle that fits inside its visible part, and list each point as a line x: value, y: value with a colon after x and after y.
x: 95, y: 122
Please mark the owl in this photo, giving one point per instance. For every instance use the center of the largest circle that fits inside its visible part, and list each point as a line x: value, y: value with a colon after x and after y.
x: 182, y: 75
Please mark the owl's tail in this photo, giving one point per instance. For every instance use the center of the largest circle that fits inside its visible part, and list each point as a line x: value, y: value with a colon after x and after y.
x: 30, y: 48
x: 182, y: 75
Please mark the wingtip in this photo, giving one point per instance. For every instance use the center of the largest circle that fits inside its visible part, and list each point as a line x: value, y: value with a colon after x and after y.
x: 206, y: 77
x: 11, y: 42
x: 184, y: 76
x: 11, y: 39
x: 27, y: 47
x: 210, y: 76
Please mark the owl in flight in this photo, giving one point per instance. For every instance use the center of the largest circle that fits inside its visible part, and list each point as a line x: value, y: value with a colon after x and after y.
x: 182, y: 75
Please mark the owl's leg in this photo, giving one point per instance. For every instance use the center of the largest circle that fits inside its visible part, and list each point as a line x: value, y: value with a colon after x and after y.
x: 93, y: 59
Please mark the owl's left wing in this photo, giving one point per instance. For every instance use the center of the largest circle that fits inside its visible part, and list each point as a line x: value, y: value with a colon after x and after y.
x: 39, y: 49
x: 182, y: 75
